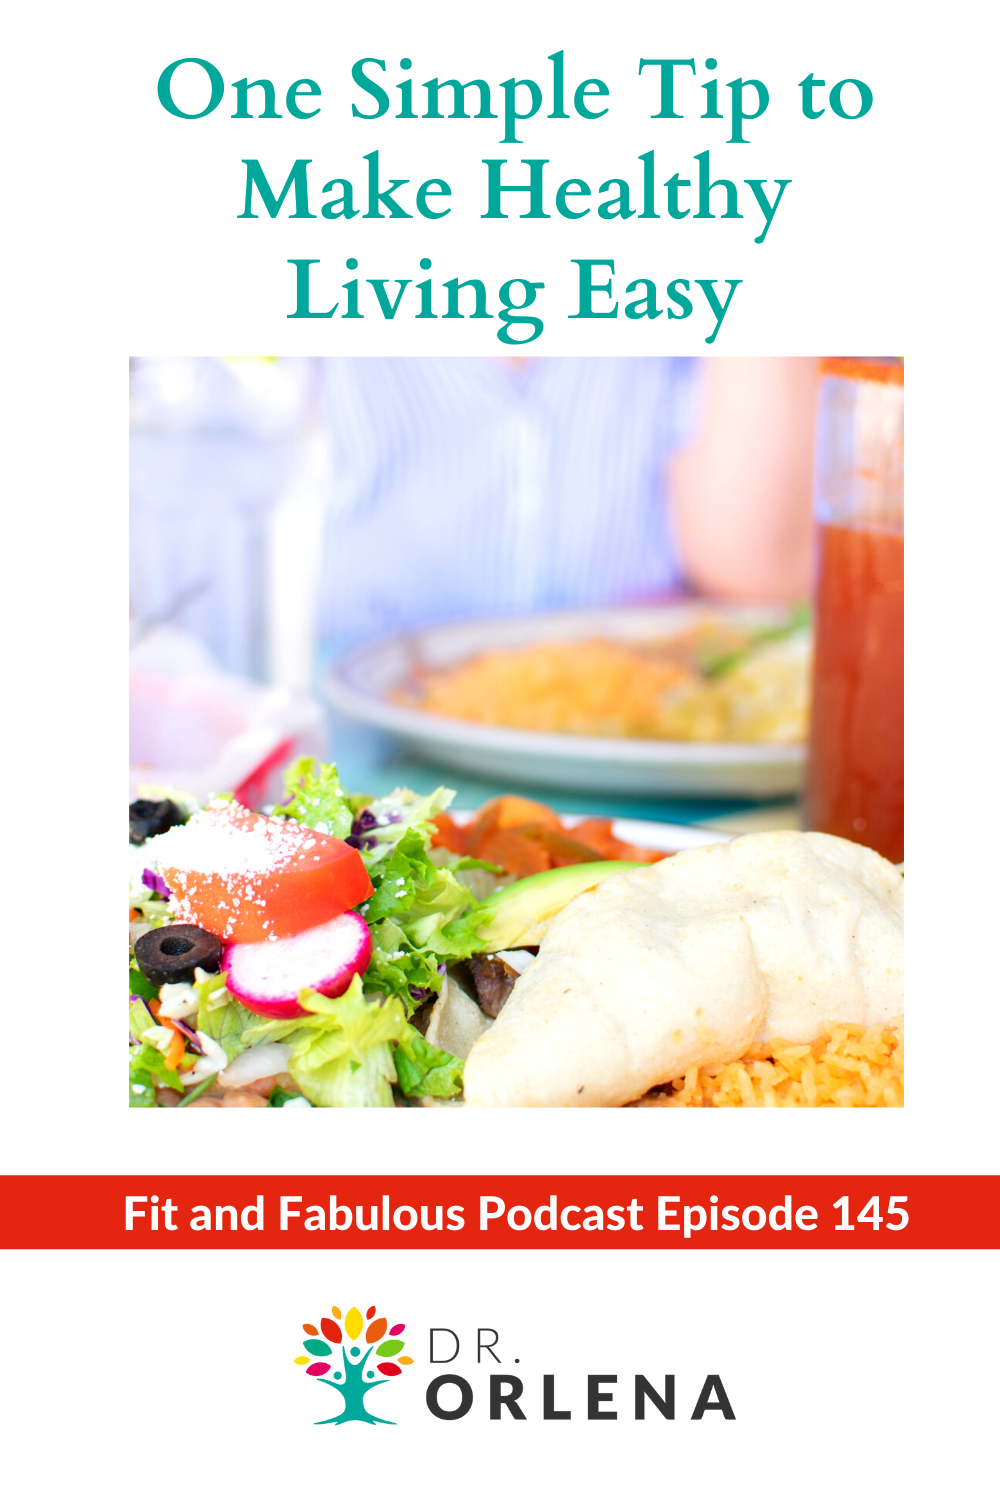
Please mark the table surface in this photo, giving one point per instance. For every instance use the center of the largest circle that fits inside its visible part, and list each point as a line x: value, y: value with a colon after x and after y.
x: 375, y: 763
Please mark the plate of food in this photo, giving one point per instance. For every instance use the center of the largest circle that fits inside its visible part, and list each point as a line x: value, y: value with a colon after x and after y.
x: 681, y: 698
x: 342, y: 951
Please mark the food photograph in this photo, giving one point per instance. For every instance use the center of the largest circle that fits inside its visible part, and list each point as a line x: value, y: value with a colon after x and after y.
x: 516, y: 733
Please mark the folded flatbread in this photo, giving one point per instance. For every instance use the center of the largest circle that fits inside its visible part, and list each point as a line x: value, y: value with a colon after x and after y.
x: 688, y: 962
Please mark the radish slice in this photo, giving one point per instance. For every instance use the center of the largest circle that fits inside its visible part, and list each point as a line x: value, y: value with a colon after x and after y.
x: 268, y: 976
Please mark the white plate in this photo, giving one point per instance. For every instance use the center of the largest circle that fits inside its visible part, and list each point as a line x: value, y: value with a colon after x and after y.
x: 359, y: 684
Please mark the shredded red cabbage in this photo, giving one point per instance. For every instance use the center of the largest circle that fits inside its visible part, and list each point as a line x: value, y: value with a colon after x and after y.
x: 192, y: 1036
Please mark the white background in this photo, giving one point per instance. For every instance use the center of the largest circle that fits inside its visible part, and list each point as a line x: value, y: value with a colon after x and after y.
x: 122, y: 238
x: 860, y: 1374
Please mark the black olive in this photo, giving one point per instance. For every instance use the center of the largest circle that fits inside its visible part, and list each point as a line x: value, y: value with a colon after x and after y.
x: 170, y: 955
x: 146, y: 819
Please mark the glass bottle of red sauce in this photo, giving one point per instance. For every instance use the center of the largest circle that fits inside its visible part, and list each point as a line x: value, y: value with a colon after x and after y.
x: 854, y: 776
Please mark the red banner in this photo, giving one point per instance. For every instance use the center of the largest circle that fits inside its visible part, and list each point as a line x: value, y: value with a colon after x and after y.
x: 461, y: 1213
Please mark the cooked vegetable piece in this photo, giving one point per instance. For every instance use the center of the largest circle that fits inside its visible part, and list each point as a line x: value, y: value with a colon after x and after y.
x: 564, y: 849
x: 525, y: 838
x: 494, y: 979
x: 509, y: 813
x: 448, y: 834
x: 597, y: 834
x: 518, y: 853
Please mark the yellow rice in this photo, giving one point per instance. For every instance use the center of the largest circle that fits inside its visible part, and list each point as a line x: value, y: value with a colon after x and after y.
x: 846, y: 1067
x: 617, y: 688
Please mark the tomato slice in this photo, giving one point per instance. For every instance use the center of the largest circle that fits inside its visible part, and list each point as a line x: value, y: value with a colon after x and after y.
x: 247, y: 877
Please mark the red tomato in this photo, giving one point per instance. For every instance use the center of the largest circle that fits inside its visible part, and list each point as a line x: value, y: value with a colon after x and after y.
x: 247, y: 877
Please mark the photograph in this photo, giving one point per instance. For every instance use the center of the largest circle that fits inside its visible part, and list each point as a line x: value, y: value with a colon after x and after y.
x: 516, y: 732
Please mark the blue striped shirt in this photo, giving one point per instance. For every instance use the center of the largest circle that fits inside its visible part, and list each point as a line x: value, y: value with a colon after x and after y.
x: 463, y: 487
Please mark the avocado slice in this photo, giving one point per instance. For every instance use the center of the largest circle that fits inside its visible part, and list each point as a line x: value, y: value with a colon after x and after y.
x: 521, y: 913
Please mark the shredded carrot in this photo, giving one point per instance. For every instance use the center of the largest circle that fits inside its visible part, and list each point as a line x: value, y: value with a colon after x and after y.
x: 174, y: 1055
x: 175, y: 1051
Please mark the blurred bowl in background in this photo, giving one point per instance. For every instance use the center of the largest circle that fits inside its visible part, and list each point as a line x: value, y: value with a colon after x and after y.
x: 363, y: 684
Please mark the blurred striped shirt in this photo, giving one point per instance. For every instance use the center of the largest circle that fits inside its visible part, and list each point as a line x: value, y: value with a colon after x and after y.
x: 463, y: 487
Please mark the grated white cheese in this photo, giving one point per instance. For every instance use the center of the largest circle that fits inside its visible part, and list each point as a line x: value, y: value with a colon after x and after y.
x: 225, y: 839
x: 228, y: 842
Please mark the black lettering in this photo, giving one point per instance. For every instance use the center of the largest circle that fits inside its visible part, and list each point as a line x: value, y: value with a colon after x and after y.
x: 664, y: 1404
x: 464, y: 1405
x: 500, y: 1398
x: 595, y: 1396
x: 480, y: 1346
x: 549, y: 1412
x: 713, y: 1383
x: 444, y: 1360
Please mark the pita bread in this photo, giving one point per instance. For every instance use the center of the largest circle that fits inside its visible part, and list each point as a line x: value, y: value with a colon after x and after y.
x: 689, y: 961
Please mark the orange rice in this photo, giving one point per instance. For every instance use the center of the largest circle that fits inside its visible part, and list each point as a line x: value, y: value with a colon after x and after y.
x: 846, y: 1067
x: 649, y: 690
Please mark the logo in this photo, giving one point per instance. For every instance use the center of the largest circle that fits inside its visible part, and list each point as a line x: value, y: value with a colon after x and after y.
x: 353, y: 1382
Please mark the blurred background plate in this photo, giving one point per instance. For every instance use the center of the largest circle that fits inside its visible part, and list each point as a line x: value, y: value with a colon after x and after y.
x: 360, y: 685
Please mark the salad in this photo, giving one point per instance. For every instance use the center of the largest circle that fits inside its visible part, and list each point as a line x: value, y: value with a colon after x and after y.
x: 339, y: 951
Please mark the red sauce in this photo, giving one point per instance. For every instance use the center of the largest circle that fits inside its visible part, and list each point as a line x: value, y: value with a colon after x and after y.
x: 882, y: 371
x: 854, y: 782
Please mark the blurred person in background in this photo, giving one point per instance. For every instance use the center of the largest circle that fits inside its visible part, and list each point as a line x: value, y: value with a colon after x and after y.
x: 464, y: 487
x: 449, y: 487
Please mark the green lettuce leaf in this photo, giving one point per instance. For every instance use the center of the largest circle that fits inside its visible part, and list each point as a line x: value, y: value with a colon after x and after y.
x: 342, y: 1051
x: 140, y: 1019
x: 138, y: 984
x: 316, y: 798
x: 398, y: 814
x: 463, y: 935
x: 421, y: 898
x: 278, y: 1097
x: 396, y: 967
x: 147, y: 1071
x: 423, y: 1069
x: 222, y: 1017
x: 420, y: 915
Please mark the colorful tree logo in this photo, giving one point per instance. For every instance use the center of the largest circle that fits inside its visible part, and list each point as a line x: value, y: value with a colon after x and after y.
x: 354, y: 1381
